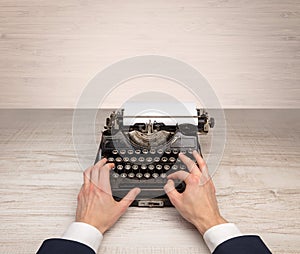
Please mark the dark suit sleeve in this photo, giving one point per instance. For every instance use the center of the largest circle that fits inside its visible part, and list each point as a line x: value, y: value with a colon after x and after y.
x: 62, y: 246
x: 243, y: 245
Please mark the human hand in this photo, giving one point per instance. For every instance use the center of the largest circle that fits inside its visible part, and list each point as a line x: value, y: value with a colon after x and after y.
x: 95, y: 204
x: 198, y: 203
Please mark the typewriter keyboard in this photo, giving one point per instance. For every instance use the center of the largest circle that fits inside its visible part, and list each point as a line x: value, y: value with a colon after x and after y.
x: 145, y: 163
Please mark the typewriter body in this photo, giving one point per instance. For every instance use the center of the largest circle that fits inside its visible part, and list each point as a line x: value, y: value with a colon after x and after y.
x: 145, y: 153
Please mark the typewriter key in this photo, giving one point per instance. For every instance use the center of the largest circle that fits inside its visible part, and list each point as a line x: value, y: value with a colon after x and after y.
x: 166, y: 167
x: 151, y: 167
x: 172, y: 159
x: 141, y: 159
x: 147, y: 175
x: 127, y: 167
x: 125, y: 159
x: 152, y: 151
x: 135, y: 167
x: 149, y: 159
x: 160, y: 151
x: 143, y: 166
x: 175, y: 151
x: 131, y: 175
x: 174, y: 167
x: 190, y: 151
x: 158, y: 167
x: 145, y: 151
x: 115, y: 175
x: 164, y: 159
x: 156, y: 159
x: 137, y: 151
x: 123, y: 151
x: 168, y: 151
x: 183, y: 151
x: 110, y: 159
x: 133, y: 159
x: 118, y: 159
x: 155, y: 175
x: 115, y: 151
x: 130, y: 151
x: 139, y: 175
x: 182, y: 167
x: 163, y: 175
x: 123, y: 175
x: 119, y: 167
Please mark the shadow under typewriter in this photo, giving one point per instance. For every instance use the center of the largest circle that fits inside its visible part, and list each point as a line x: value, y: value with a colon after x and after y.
x: 144, y: 155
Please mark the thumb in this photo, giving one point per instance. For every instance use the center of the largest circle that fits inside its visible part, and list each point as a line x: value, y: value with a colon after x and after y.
x: 172, y: 193
x: 130, y: 196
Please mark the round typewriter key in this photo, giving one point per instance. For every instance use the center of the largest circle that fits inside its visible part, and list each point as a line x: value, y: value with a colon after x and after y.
x: 164, y: 159
x: 172, y: 159
x: 190, y: 151
x: 130, y: 151
x: 149, y: 159
x: 145, y: 151
x: 119, y: 167
x: 151, y: 167
x: 115, y: 175
x: 152, y: 151
x: 133, y: 159
x: 163, y: 175
x: 158, y: 167
x: 110, y: 159
x: 137, y: 151
x: 139, y: 175
x: 123, y: 151
x: 143, y: 166
x: 156, y: 159
x: 135, y: 167
x: 160, y: 151
x: 175, y: 151
x: 141, y: 159
x: 131, y: 175
x: 125, y: 159
x: 183, y: 151
x: 166, y: 167
x: 155, y: 175
x: 123, y: 175
x: 168, y: 151
x: 147, y: 175
x: 182, y: 166
x: 115, y: 151
x: 118, y: 159
x: 174, y: 167
x: 127, y: 167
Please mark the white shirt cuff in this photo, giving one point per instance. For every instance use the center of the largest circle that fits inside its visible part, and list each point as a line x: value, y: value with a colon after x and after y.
x: 85, y: 234
x: 218, y: 234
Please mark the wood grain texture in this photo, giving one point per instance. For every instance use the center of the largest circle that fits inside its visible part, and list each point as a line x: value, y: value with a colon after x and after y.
x: 248, y: 50
x: 257, y: 184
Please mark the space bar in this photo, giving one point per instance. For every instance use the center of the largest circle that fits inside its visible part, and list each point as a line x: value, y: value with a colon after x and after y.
x: 144, y: 185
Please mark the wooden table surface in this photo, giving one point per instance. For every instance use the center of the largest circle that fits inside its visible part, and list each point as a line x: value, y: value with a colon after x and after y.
x: 257, y: 184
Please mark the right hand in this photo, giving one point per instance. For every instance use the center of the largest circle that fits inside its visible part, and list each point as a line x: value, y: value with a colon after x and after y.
x: 198, y: 203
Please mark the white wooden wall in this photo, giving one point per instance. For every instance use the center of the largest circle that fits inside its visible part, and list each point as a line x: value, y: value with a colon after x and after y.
x: 248, y: 50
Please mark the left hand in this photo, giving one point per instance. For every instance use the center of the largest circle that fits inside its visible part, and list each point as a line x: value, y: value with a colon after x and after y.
x: 95, y: 205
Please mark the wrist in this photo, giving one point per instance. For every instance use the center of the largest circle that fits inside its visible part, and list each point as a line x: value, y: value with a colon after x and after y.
x: 203, y: 226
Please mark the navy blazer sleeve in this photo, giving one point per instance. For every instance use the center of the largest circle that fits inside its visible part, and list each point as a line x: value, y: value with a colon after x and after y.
x: 62, y: 246
x: 243, y: 245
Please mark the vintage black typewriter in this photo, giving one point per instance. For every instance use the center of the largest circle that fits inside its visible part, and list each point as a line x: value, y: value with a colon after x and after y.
x: 145, y: 153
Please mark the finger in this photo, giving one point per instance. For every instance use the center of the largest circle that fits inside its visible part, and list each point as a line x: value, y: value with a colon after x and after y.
x: 201, y: 162
x: 104, y: 178
x: 96, y: 171
x: 172, y: 193
x: 191, y: 165
x: 130, y: 197
x: 180, y: 175
x: 87, y: 176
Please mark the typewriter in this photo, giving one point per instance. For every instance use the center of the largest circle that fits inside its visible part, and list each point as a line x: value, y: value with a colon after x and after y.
x: 145, y: 153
